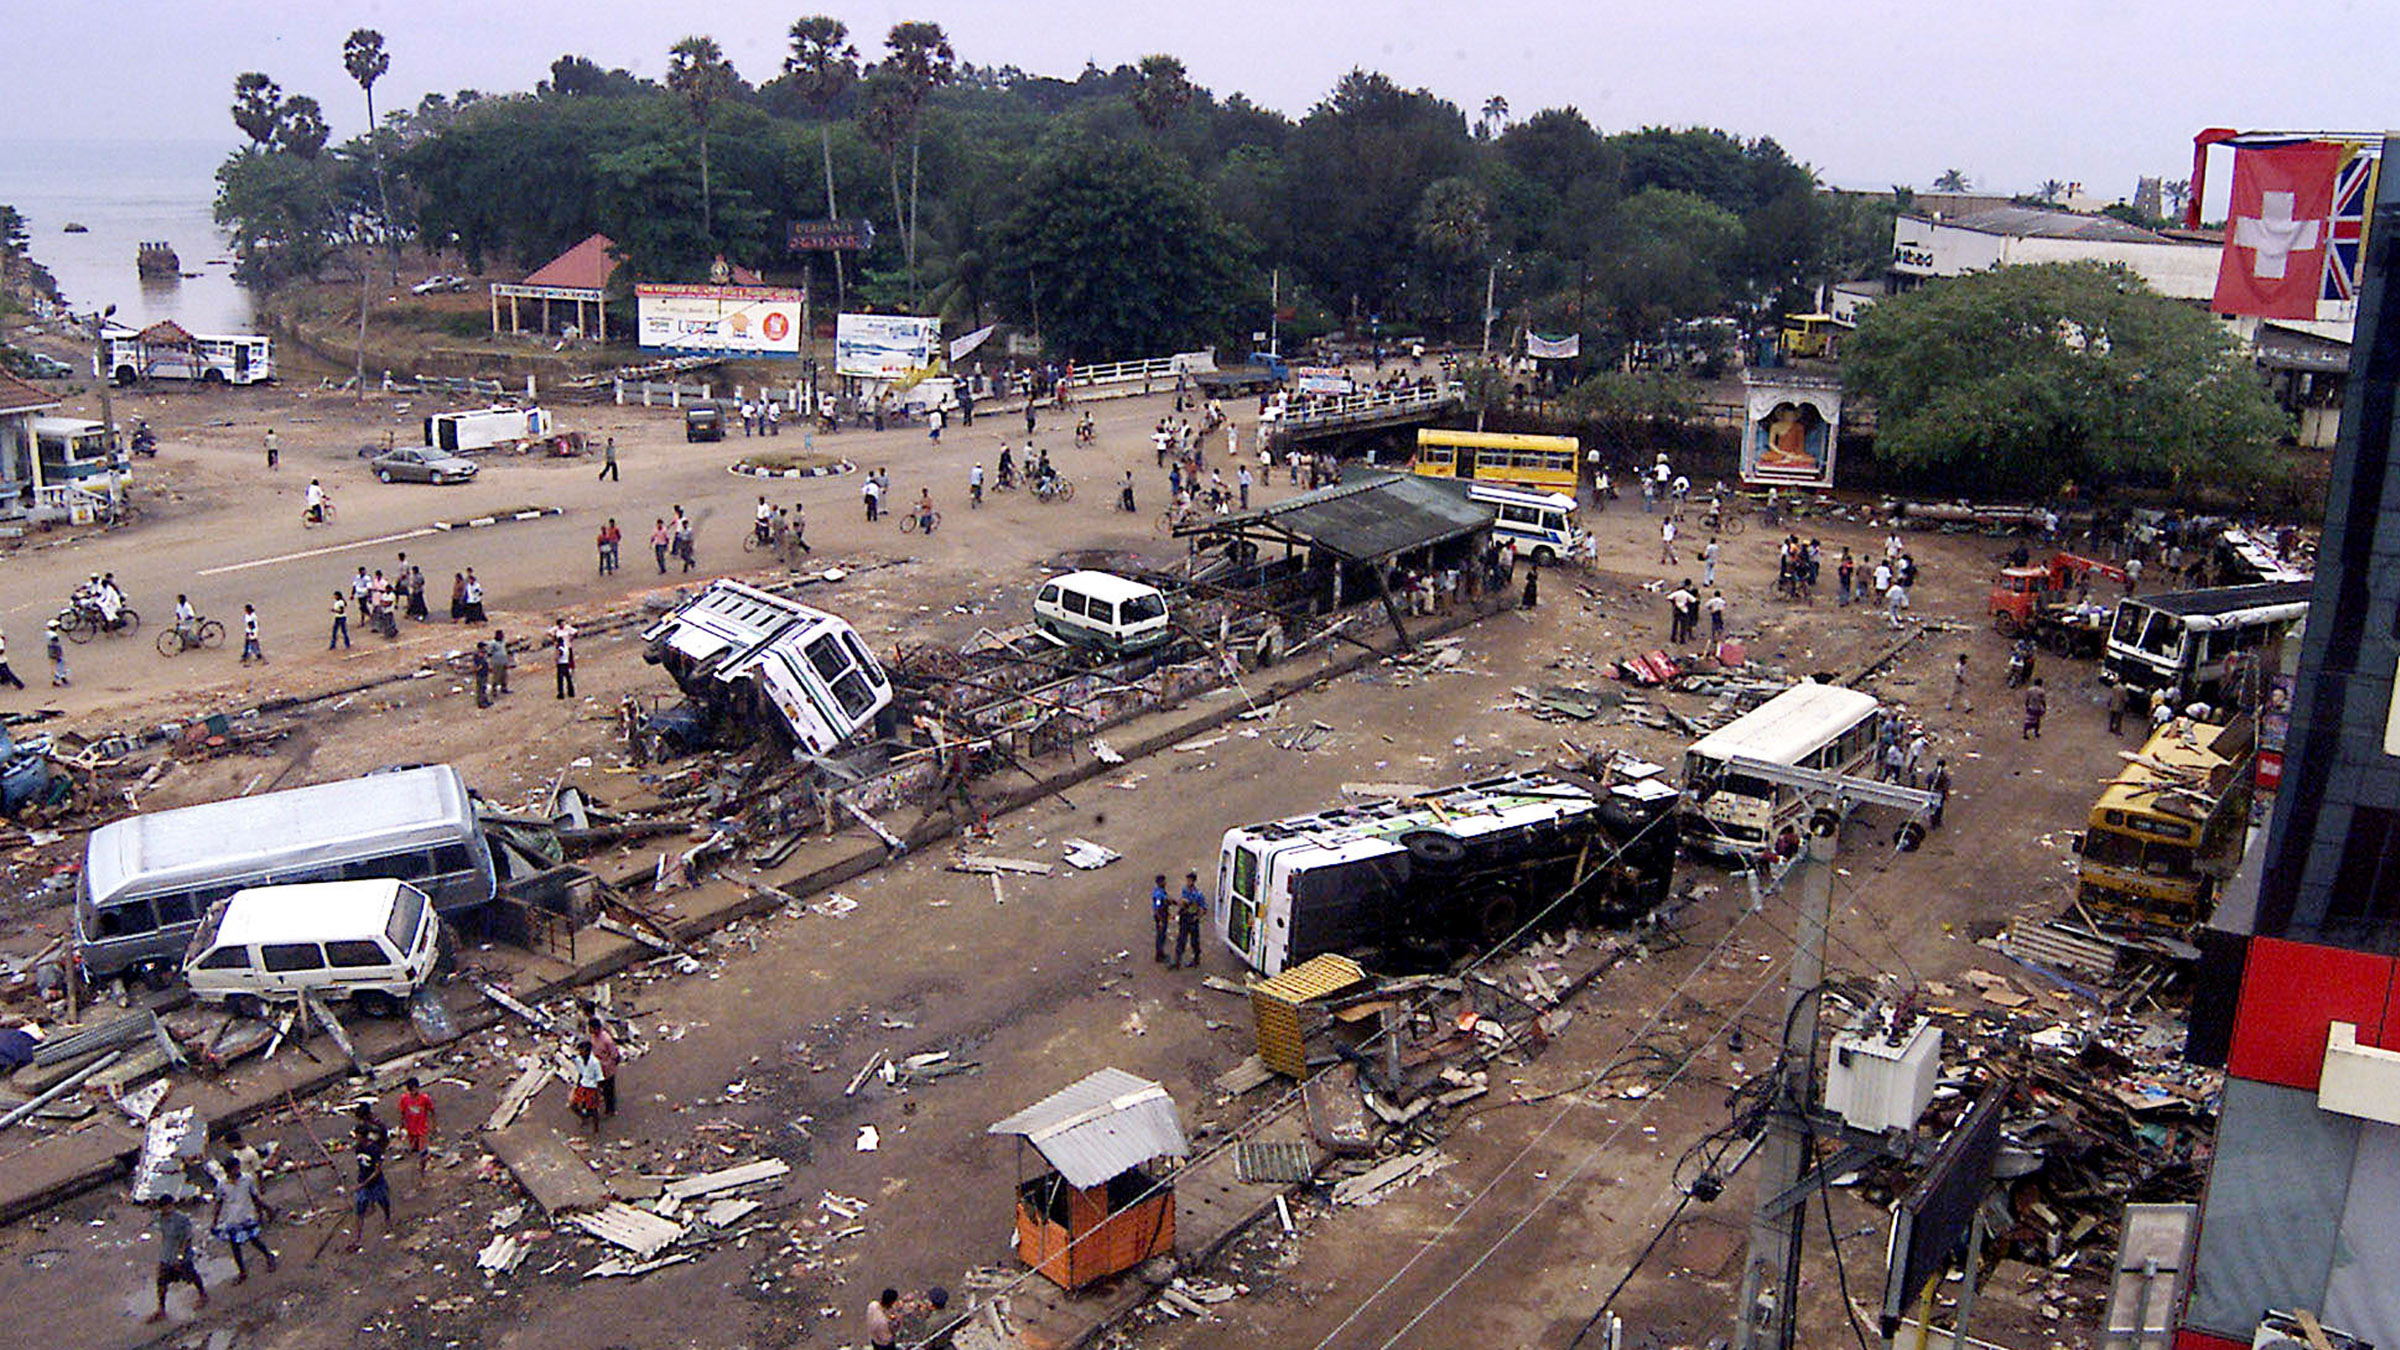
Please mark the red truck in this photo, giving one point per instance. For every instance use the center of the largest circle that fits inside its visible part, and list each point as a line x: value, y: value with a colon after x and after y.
x: 2041, y: 602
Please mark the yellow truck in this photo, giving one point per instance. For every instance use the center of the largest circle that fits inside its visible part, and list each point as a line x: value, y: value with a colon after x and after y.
x: 2169, y: 828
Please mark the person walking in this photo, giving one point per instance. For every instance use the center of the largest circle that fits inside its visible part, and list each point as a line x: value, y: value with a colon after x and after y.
x: 369, y: 1139
x: 1895, y: 603
x: 800, y: 528
x: 585, y: 1100
x: 416, y: 1121
x: 610, y: 540
x: 609, y: 1055
x: 56, y: 649
x: 683, y: 541
x: 416, y: 594
x: 481, y: 657
x: 1242, y: 481
x: 1682, y: 610
x: 1959, y: 693
x: 2128, y: 699
x: 7, y: 677
x: 239, y: 1216
x: 500, y: 661
x: 341, y: 622
x: 1716, y: 618
x: 475, y: 599
x: 1533, y: 585
x: 458, y: 597
x: 251, y: 651
x: 1708, y: 562
x: 1666, y: 542
x: 1190, y: 909
x: 659, y: 539
x: 1162, y: 911
x: 562, y: 657
x: 2037, y: 703
x: 1939, y: 786
x: 870, y: 492
x: 178, y: 1261
x: 274, y: 456
x: 608, y: 463
x: 1842, y: 575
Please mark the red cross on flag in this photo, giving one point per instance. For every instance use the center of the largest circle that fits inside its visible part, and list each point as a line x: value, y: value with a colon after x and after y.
x: 2277, y: 230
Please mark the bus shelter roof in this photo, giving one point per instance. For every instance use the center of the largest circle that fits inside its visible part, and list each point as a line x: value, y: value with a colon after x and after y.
x: 1366, y: 519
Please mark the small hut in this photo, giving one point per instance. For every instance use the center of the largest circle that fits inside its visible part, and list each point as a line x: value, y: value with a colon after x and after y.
x: 1098, y: 1209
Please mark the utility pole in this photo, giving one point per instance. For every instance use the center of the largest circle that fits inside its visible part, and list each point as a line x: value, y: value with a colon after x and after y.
x: 1766, y: 1318
x: 1491, y: 292
x: 1275, y: 312
x: 100, y: 363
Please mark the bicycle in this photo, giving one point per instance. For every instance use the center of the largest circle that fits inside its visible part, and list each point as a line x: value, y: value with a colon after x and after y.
x: 320, y: 514
x: 76, y: 623
x: 1172, y: 519
x: 176, y: 640
x: 1725, y: 521
x: 1054, y: 490
x: 914, y: 521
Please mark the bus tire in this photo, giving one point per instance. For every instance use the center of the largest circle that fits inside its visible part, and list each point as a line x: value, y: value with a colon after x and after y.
x: 159, y: 976
x: 125, y: 376
x: 1496, y: 917
x: 1434, y: 848
x: 245, y: 1005
x: 212, y: 375
x: 2006, y: 625
x: 1545, y: 556
x: 376, y: 1003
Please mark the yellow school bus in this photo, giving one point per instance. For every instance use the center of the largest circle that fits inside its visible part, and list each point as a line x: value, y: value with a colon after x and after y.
x: 2168, y: 827
x: 1539, y: 463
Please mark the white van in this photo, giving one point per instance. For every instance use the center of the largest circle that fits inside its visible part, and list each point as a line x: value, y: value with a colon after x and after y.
x: 372, y: 942
x: 1102, y: 610
x: 1542, y: 523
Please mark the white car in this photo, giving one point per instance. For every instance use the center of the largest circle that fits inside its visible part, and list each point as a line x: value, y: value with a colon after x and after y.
x: 438, y: 284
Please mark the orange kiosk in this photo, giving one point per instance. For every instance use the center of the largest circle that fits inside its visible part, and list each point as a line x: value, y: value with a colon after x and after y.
x: 1098, y: 1209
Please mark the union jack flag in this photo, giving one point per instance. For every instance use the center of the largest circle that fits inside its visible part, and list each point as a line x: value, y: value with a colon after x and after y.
x: 2353, y: 192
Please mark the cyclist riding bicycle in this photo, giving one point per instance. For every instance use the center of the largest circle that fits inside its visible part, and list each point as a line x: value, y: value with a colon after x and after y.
x: 925, y: 510
x: 763, y: 525
x: 1084, y: 431
x: 1007, y: 470
x: 316, y: 502
x: 187, y: 619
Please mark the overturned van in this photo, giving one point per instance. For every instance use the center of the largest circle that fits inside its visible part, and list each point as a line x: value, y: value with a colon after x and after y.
x: 738, y: 650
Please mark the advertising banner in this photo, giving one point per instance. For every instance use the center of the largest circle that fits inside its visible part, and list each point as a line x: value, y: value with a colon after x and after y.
x: 830, y: 236
x: 1322, y: 379
x: 884, y: 346
x: 748, y: 320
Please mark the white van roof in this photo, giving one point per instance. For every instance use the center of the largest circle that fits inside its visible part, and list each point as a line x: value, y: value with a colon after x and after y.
x: 1104, y: 585
x: 292, y: 828
x: 319, y: 911
x: 1557, y: 501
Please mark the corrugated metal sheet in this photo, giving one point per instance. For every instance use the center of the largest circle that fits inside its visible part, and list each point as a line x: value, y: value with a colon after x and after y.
x: 1374, y: 516
x: 1313, y: 978
x: 1107, y: 1123
x: 636, y: 1230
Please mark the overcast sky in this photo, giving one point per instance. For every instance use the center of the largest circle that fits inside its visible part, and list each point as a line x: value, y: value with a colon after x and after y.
x: 1869, y: 92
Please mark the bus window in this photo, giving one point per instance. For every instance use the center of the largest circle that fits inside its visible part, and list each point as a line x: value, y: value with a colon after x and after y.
x: 858, y: 653
x: 2128, y: 625
x: 2163, y: 635
x: 1242, y: 913
x: 825, y: 653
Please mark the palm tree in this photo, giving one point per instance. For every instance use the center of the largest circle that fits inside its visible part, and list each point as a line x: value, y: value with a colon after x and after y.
x: 257, y: 107
x: 1953, y: 180
x: 823, y: 65
x: 2051, y: 190
x: 1495, y: 116
x: 2178, y: 192
x: 921, y: 53
x: 366, y: 60
x: 1160, y: 90
x: 697, y: 70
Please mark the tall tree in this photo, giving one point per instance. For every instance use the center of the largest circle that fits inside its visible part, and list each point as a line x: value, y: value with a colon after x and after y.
x: 1495, y: 117
x: 1161, y: 89
x: 1359, y: 163
x: 366, y: 60
x: 2023, y: 378
x: 823, y: 66
x: 2050, y: 190
x: 301, y: 130
x: 2178, y: 191
x: 257, y: 107
x: 699, y: 74
x: 921, y: 53
x: 884, y: 122
x: 1953, y: 180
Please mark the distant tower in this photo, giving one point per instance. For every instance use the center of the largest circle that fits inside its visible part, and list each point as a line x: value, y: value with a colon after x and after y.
x: 2149, y: 196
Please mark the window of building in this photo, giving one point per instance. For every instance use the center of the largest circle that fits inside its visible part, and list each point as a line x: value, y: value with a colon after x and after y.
x: 2366, y: 887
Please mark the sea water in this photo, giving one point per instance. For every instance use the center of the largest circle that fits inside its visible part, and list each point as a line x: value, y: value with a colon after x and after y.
x: 126, y: 192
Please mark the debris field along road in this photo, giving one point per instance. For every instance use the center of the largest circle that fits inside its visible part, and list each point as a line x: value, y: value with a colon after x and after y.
x: 750, y: 1055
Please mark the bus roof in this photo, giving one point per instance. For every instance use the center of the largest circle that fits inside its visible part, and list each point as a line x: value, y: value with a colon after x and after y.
x: 1516, y: 496
x: 2222, y: 600
x: 1104, y: 585
x: 294, y: 827
x: 1797, y: 722
x: 2180, y: 745
x: 1494, y: 440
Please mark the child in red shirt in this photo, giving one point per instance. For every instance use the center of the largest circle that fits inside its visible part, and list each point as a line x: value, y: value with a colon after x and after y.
x: 416, y: 1121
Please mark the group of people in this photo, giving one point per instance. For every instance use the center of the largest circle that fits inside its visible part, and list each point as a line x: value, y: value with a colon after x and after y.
x: 672, y: 539
x: 761, y: 416
x: 1684, y: 608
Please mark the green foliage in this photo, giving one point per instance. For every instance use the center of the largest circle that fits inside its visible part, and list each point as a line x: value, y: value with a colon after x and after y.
x: 364, y: 57
x: 285, y: 212
x: 1669, y: 256
x: 1161, y: 90
x: 302, y: 130
x: 1359, y: 163
x: 257, y: 107
x: 2024, y: 378
x: 1114, y: 251
x: 574, y: 76
x: 1625, y: 407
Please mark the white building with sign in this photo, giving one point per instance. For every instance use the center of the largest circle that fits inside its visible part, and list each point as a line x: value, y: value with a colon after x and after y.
x: 1938, y: 245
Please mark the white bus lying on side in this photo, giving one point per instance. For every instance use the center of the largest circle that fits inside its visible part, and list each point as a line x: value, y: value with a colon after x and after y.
x: 1812, y: 726
x: 1428, y: 876
x: 483, y: 428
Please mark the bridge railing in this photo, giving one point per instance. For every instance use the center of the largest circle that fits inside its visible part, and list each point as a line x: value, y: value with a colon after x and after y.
x: 1370, y: 405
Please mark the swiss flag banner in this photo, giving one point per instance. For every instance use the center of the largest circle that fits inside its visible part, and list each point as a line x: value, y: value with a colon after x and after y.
x: 2277, y: 230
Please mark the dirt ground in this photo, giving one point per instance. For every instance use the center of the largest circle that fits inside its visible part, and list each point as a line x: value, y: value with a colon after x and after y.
x: 1546, y: 1202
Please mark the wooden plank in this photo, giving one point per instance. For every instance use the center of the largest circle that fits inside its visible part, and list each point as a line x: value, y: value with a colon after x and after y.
x: 534, y: 1016
x: 708, y: 1183
x: 984, y: 862
x: 556, y: 1176
x: 513, y: 1101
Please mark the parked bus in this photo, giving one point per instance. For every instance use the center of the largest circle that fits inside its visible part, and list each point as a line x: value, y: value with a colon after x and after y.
x: 735, y: 647
x: 236, y: 358
x: 148, y: 879
x: 2169, y: 828
x: 73, y: 450
x: 1427, y: 876
x: 2195, y: 643
x: 1812, y: 726
x: 1542, y: 523
x: 1538, y: 463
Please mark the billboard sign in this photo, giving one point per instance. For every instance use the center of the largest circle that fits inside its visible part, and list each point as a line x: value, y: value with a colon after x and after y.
x: 748, y: 320
x: 884, y: 346
x: 830, y: 236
